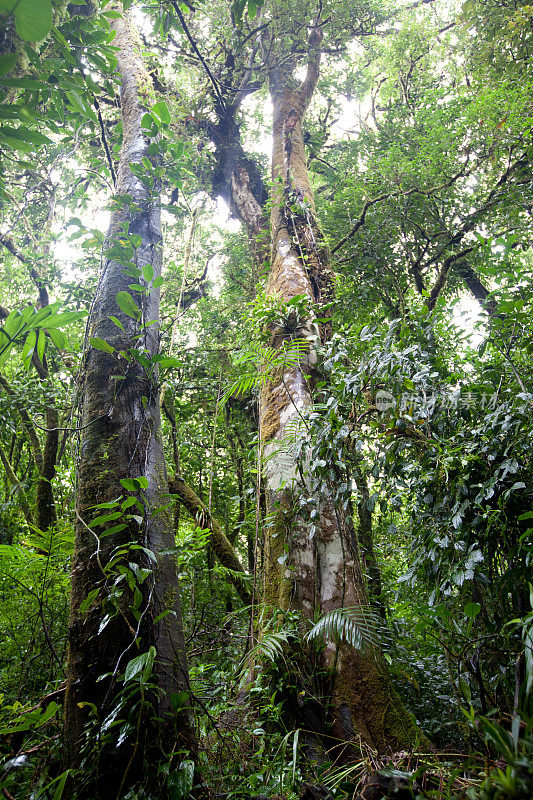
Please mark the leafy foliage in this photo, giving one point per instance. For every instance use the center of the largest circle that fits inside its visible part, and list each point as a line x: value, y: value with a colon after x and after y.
x: 421, y: 424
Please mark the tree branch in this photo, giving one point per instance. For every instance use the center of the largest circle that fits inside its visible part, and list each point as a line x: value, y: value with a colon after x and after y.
x: 36, y: 278
x: 26, y: 421
x: 196, y: 50
x: 221, y: 545
x: 12, y: 478
x: 443, y: 274
x: 463, y: 172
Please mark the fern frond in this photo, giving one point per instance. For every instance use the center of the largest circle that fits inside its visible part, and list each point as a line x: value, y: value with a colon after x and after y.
x: 271, y: 645
x: 261, y: 362
x: 358, y: 626
x: 270, y: 648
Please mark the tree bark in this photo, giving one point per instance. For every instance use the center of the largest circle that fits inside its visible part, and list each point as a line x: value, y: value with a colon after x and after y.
x: 318, y: 572
x: 366, y: 542
x: 45, y: 507
x: 120, y: 439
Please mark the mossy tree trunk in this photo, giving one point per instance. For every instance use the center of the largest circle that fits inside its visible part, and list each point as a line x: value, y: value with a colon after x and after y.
x: 313, y: 566
x: 124, y: 598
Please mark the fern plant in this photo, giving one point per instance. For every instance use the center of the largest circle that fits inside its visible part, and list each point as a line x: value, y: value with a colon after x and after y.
x: 270, y: 648
x: 359, y: 626
x: 260, y: 363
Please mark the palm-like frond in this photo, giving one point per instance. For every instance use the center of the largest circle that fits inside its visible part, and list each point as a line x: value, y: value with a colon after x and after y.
x: 271, y: 645
x: 261, y: 362
x: 359, y: 626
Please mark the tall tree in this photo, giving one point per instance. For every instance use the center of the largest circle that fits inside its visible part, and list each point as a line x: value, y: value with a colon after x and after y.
x: 312, y: 562
x: 126, y: 647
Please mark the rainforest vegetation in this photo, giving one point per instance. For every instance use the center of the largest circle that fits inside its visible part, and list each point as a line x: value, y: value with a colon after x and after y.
x: 266, y: 397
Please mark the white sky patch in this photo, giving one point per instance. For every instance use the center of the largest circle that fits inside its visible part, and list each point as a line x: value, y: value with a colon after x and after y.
x: 260, y: 144
x: 467, y: 318
x: 351, y: 118
x: 70, y: 254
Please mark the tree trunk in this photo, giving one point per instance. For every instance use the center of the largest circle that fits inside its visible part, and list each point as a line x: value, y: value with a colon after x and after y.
x: 237, y: 179
x: 318, y: 571
x: 45, y: 507
x: 126, y: 614
x: 366, y: 542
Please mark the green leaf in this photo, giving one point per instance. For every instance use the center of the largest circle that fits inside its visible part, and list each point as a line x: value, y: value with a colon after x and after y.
x: 117, y: 322
x: 113, y: 529
x: 181, y: 781
x: 158, y: 282
x: 7, y: 63
x: 4, y: 353
x: 253, y: 8
x: 41, y: 344
x: 465, y: 689
x: 106, y: 518
x: 16, y: 144
x: 58, y: 338
x: 24, y: 134
x: 161, y: 113
x: 16, y: 112
x: 360, y: 626
x: 23, y: 83
x: 51, y: 711
x: 148, y: 272
x: 61, y: 782
x: 33, y: 18
x: 58, y: 320
x: 238, y: 7
x: 471, y: 610
x: 180, y: 700
x: 81, y: 105
x: 101, y: 344
x: 168, y: 362
x: 149, y: 125
x: 29, y: 347
x: 134, y: 484
x: 128, y: 502
x: 91, y: 597
x: 13, y: 324
x: 127, y: 304
x: 140, y: 666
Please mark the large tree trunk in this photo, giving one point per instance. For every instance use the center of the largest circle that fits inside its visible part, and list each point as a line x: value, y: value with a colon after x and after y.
x: 318, y: 571
x: 120, y: 439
